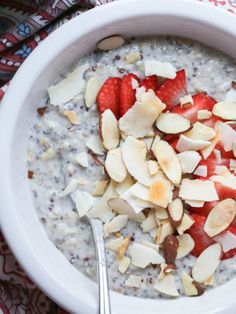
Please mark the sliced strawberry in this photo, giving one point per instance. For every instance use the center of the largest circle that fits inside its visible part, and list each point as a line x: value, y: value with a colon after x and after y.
x: 172, y: 89
x: 232, y: 252
x: 200, y: 102
x: 201, y: 239
x: 127, y: 92
x: 108, y: 96
x: 151, y: 82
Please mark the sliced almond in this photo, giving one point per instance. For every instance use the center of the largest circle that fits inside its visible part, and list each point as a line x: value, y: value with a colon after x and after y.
x: 91, y: 90
x: 140, y: 191
x: 186, y: 101
x: 161, y: 213
x: 100, y: 188
x: 227, y: 240
x: 124, y: 208
x: 197, y: 204
x: 229, y: 181
x: 82, y: 159
x: 207, y: 262
x: 225, y: 110
x: 191, y: 287
x: 163, y: 231
x: 123, y: 264
x: 109, y: 131
x: 206, y: 152
x: 204, y: 114
x: 149, y: 223
x: 143, y: 256
x: 201, y: 171
x: 123, y: 247
x: 150, y: 245
x: 114, y: 244
x: 186, y: 223
x: 111, y: 42
x: 160, y: 192
x: 117, y: 223
x: 133, y: 57
x: 168, y: 161
x: 138, y: 120
x: 134, y: 281
x: 189, y: 161
x: 185, y: 143
x: 220, y: 217
x: 201, y: 132
x: 167, y: 285
x: 152, y: 167
x: 101, y: 209
x: 228, y: 135
x: 122, y: 187
x: 198, y: 190
x: 166, y: 269
x: 170, y: 248
x: 186, y: 245
x: 72, y: 116
x: 69, y: 87
x: 172, y: 123
x: 163, y: 69
x: 83, y: 201
x: 209, y: 281
x: 176, y: 211
x: 95, y: 145
x: 115, y: 165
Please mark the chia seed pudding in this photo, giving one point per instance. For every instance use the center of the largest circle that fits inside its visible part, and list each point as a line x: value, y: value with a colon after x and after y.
x: 61, y: 161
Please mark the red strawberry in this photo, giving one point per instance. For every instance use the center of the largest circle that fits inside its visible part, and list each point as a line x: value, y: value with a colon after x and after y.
x: 201, y: 239
x: 151, y: 82
x: 172, y: 89
x: 200, y: 102
x: 232, y: 252
x: 108, y: 96
x: 127, y: 93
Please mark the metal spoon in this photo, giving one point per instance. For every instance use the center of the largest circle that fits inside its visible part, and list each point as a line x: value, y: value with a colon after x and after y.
x: 104, y: 299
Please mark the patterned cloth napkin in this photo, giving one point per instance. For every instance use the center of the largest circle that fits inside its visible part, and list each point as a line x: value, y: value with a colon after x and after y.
x: 23, y: 25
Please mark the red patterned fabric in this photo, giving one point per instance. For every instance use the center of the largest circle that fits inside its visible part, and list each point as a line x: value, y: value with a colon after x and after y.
x: 23, y: 25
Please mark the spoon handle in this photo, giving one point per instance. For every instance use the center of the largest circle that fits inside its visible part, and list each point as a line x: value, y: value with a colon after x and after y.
x: 104, y: 299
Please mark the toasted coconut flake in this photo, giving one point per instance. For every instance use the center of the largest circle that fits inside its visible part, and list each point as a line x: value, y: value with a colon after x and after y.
x: 195, y: 203
x: 185, y: 144
x: 186, y: 223
x: 72, y: 116
x: 123, y: 247
x: 167, y: 285
x: 115, y: 166
x: 114, y: 244
x: 95, y: 145
x: 101, y: 209
x: 122, y: 207
x: 186, y: 101
x: 110, y: 134
x: 198, y: 190
x: 172, y: 123
x: 91, y: 90
x: 191, y: 288
x: 140, y: 191
x: 163, y: 231
x: 123, y: 264
x: 206, y: 264
x: 69, y: 87
x: 201, y: 132
x: 161, y: 213
x: 163, y: 69
x: 204, y: 114
x: 155, y: 141
x: 227, y: 240
x: 133, y: 57
x: 201, y: 171
x: 228, y: 135
x: 206, y: 152
x: 152, y: 167
x: 122, y: 187
x: 83, y: 201
x: 168, y: 161
x: 209, y: 281
x: 138, y: 120
x: 143, y: 256
x: 150, y: 245
x: 220, y: 217
x: 160, y: 192
x: 225, y: 110
x: 229, y: 181
x: 117, y: 223
x: 176, y: 211
x: 111, y: 42
x: 189, y: 161
x: 82, y: 159
x: 134, y: 281
x: 186, y: 245
x: 100, y: 188
x: 149, y: 223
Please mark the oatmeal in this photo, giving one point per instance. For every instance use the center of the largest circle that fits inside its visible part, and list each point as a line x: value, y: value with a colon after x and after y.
x: 161, y: 179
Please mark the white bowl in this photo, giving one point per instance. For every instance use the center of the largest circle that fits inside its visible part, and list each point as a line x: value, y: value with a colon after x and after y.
x: 41, y: 260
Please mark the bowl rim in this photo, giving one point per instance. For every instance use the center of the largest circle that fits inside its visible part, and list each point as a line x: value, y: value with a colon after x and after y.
x: 193, y: 10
